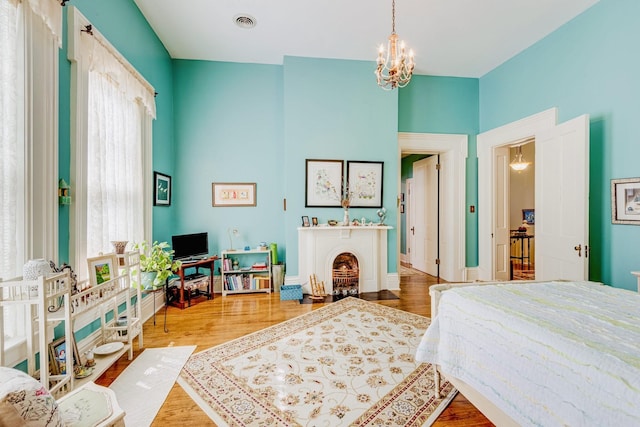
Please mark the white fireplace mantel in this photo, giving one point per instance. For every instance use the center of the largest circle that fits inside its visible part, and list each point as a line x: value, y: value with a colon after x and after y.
x: 319, y: 246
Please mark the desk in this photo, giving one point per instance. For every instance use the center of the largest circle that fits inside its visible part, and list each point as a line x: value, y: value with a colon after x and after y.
x: 205, y: 263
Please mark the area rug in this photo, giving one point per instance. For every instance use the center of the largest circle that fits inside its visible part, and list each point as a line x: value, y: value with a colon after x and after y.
x: 350, y: 363
x: 143, y: 386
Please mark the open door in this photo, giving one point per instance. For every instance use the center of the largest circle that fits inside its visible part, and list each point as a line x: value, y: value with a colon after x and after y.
x: 562, y: 201
x: 419, y: 211
x: 502, y: 249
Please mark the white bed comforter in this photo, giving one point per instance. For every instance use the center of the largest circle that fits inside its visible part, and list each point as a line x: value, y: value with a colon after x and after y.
x: 546, y: 354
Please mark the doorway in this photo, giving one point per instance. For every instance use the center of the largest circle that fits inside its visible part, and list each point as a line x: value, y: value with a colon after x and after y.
x: 452, y: 150
x: 561, y: 196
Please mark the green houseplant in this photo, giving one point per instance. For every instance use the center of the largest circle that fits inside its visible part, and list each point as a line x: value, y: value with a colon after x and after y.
x: 156, y: 263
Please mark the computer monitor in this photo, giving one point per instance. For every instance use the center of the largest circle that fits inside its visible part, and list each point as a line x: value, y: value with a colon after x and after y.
x: 194, y: 245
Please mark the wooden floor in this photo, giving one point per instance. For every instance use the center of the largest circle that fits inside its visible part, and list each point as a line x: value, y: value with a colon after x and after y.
x: 216, y: 321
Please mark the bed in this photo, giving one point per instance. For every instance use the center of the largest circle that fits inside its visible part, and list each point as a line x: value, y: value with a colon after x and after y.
x: 551, y: 353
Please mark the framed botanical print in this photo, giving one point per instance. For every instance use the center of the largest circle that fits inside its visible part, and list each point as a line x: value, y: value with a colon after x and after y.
x: 364, y: 183
x: 323, y: 183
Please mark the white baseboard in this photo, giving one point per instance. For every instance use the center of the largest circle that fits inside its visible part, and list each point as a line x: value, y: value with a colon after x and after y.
x: 471, y: 274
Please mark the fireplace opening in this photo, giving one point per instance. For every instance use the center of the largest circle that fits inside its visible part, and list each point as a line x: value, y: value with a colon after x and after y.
x: 345, y: 275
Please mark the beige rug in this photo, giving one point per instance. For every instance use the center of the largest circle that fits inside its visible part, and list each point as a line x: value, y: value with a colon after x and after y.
x: 347, y: 363
x: 143, y: 386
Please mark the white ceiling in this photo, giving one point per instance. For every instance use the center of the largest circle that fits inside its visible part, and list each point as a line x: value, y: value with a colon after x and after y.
x: 464, y: 38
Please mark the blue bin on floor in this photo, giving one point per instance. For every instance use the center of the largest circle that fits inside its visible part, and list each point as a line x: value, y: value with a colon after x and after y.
x: 290, y: 292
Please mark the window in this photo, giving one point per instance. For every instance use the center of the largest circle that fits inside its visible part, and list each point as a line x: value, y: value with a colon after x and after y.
x: 28, y: 145
x: 111, y: 144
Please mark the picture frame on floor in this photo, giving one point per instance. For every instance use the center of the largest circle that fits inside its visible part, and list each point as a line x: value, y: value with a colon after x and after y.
x: 58, y: 353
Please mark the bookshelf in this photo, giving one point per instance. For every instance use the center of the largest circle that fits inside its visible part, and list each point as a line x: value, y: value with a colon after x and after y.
x: 246, y: 271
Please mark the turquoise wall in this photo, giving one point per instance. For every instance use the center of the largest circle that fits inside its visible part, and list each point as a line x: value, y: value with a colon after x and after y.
x: 125, y: 27
x: 588, y: 66
x: 448, y: 105
x: 346, y: 118
x: 229, y: 128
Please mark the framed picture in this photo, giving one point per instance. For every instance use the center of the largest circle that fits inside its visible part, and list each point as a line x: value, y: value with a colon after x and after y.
x: 161, y: 189
x: 402, y: 208
x: 625, y: 201
x: 314, y: 221
x: 102, y: 268
x: 323, y: 183
x: 529, y: 215
x: 305, y: 221
x: 58, y: 353
x: 233, y: 194
x: 364, y: 180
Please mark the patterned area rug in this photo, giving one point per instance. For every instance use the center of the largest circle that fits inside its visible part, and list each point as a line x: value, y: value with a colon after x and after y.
x: 350, y: 363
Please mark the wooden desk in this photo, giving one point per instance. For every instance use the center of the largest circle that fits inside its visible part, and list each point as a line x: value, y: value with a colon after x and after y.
x: 205, y: 263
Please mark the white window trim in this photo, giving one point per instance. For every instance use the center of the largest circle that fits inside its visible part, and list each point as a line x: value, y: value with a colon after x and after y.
x: 78, y: 56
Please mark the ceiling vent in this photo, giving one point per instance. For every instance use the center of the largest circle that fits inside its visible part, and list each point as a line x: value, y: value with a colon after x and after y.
x: 245, y: 21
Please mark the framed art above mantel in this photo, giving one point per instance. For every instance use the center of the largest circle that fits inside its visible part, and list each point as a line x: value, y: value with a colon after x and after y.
x: 323, y: 183
x: 364, y: 183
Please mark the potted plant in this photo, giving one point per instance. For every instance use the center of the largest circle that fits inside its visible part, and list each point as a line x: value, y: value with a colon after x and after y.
x: 156, y: 263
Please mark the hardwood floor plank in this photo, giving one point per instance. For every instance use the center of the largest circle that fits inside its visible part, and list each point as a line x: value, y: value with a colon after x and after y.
x: 222, y: 319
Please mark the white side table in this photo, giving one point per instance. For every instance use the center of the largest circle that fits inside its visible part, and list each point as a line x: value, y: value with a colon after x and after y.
x: 91, y: 406
x: 637, y: 274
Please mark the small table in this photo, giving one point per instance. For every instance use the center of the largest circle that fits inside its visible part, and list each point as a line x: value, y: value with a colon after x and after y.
x: 524, y: 242
x: 205, y: 263
x: 153, y: 290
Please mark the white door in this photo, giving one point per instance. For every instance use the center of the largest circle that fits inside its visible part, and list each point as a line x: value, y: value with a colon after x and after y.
x: 502, y: 250
x: 432, y: 206
x: 408, y: 211
x: 562, y: 201
x: 419, y: 217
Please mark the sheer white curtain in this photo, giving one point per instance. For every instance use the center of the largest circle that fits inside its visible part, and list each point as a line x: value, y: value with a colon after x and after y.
x: 30, y: 39
x: 110, y: 146
x: 10, y: 145
x: 114, y: 179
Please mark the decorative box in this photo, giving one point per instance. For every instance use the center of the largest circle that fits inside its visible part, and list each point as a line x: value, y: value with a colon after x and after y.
x: 290, y: 292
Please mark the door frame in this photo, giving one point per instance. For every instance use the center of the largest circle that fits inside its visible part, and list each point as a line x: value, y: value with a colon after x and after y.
x: 486, y: 143
x: 454, y: 185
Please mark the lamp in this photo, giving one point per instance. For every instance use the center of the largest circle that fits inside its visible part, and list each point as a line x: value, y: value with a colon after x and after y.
x: 394, y: 70
x: 233, y: 232
x: 518, y: 164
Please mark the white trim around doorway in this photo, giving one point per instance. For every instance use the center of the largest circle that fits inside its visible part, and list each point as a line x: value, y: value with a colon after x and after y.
x: 455, y: 146
x: 486, y: 143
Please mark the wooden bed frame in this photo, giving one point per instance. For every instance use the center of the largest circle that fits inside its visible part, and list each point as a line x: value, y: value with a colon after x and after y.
x: 484, y: 405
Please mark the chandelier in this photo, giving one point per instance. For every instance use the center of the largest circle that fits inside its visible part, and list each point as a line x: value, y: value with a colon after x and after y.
x: 395, y: 69
x: 518, y: 163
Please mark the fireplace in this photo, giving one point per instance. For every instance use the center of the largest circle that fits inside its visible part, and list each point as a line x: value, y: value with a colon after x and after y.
x: 322, y: 249
x: 345, y: 275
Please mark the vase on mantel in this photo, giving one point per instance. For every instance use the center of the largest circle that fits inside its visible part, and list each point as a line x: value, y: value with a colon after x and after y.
x: 119, y: 246
x: 345, y: 220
